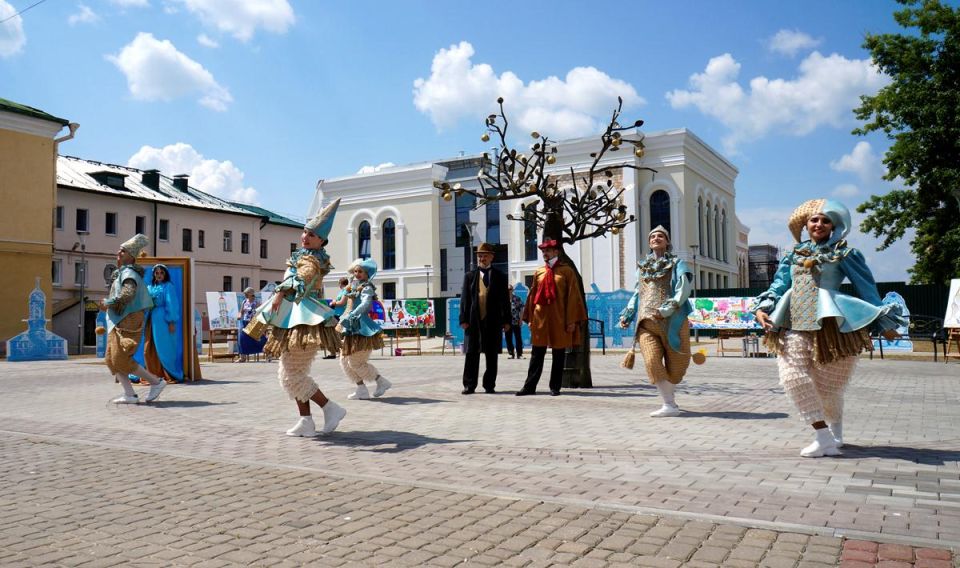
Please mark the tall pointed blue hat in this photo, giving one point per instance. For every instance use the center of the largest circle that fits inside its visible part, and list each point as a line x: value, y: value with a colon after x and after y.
x: 323, y: 222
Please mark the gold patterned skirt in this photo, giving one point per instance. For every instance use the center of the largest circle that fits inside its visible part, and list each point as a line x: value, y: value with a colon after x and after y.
x: 354, y: 343
x: 829, y: 343
x: 280, y: 340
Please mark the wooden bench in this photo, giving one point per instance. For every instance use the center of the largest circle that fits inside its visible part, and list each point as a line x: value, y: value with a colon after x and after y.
x: 921, y: 328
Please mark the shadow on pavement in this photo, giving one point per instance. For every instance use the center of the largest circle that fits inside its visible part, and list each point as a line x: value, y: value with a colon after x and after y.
x: 405, y: 400
x: 603, y: 392
x: 924, y: 456
x: 734, y: 415
x: 383, y: 441
x: 204, y: 382
x: 183, y: 403
x: 694, y: 388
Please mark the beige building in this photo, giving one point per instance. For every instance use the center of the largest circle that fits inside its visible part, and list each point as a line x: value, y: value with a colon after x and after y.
x: 28, y: 158
x: 420, y: 241
x: 99, y: 206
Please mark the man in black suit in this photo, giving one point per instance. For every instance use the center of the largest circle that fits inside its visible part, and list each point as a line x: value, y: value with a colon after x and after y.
x: 484, y: 316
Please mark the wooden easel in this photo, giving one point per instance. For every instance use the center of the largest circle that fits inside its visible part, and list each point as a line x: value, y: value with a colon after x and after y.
x: 224, y: 335
x: 953, y: 337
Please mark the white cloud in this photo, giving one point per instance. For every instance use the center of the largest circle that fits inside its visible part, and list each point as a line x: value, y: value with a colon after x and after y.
x: 860, y: 161
x: 206, y: 41
x: 825, y: 91
x: 12, y: 38
x: 241, y: 18
x: 84, y: 16
x: 845, y: 190
x: 222, y: 179
x: 157, y: 71
x: 768, y: 225
x: 374, y: 169
x: 560, y: 108
x: 131, y: 3
x: 790, y: 42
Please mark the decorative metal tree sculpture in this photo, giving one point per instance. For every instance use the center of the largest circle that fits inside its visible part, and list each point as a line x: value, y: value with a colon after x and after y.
x: 585, y: 205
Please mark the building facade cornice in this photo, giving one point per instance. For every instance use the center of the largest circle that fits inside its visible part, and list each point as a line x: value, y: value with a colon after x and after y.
x: 29, y: 125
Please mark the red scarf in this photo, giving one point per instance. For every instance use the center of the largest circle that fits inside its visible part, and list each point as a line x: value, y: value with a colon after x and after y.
x: 547, y: 289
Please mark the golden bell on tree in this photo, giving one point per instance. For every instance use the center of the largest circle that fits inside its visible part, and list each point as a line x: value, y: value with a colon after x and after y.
x: 485, y: 137
x: 534, y: 134
x: 551, y: 159
x: 638, y: 152
x: 447, y: 196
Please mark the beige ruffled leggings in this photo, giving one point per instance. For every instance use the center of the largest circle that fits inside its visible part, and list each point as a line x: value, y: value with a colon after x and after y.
x: 294, y: 372
x: 357, y: 368
x: 816, y: 390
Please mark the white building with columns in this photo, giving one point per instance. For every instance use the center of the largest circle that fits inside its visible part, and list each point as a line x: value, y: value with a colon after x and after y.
x: 420, y: 242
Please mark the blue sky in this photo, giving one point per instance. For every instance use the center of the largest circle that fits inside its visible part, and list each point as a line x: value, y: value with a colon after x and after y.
x: 257, y: 99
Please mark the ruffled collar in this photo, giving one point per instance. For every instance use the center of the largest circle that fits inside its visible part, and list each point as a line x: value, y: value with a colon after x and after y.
x: 653, y: 268
x: 810, y: 254
x: 320, y: 254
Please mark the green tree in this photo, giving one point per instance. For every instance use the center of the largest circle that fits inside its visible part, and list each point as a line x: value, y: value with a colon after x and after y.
x: 920, y: 111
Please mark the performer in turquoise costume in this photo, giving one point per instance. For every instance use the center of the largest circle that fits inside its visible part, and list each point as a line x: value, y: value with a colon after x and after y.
x: 163, y: 348
x: 361, y: 334
x: 299, y: 323
x: 129, y: 298
x: 817, y: 331
x: 660, y: 305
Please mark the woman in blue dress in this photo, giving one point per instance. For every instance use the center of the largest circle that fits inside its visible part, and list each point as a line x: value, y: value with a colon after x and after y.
x: 163, y: 348
x: 818, y: 331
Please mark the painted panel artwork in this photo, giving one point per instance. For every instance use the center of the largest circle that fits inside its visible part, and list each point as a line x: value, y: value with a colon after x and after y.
x: 723, y: 313
x: 407, y: 314
x: 223, y: 309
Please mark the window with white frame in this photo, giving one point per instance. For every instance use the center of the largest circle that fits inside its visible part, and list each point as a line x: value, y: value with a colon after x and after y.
x: 56, y: 274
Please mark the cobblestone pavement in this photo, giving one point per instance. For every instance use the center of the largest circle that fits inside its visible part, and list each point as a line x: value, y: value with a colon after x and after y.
x: 426, y: 476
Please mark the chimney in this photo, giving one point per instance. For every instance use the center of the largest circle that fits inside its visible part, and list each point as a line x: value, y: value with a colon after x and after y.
x: 151, y: 179
x: 180, y: 182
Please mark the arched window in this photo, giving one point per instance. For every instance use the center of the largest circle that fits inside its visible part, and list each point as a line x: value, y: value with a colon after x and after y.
x: 716, y: 233
x: 660, y: 210
x: 700, y: 225
x: 363, y: 240
x: 389, y: 245
x: 708, y: 223
x: 530, y: 232
x: 723, y: 234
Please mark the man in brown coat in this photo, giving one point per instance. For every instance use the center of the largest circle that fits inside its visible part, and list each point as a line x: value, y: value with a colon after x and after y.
x: 553, y: 311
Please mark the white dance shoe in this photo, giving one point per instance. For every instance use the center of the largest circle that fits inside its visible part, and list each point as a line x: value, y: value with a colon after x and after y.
x: 837, y: 431
x: 823, y: 445
x: 382, y: 386
x: 360, y: 394
x: 666, y: 411
x: 126, y: 399
x: 155, y: 390
x: 333, y: 413
x: 305, y: 428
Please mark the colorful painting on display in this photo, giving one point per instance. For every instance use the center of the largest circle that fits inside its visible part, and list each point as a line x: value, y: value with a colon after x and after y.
x: 223, y: 309
x: 405, y: 314
x: 723, y: 313
x: 952, y: 317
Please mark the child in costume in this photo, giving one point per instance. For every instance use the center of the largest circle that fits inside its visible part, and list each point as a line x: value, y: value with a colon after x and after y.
x: 361, y: 334
x: 299, y: 323
x: 817, y: 331
x: 129, y: 298
x: 663, y: 331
